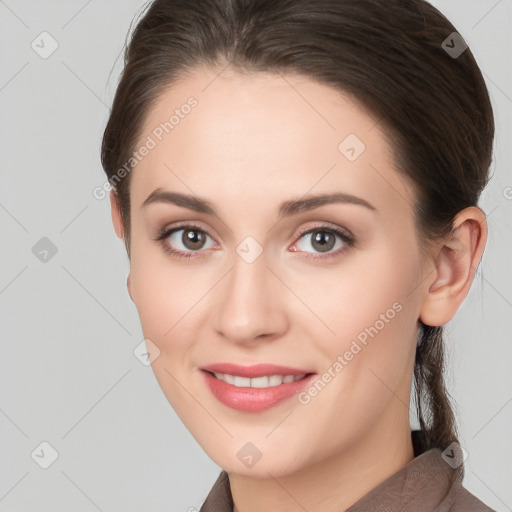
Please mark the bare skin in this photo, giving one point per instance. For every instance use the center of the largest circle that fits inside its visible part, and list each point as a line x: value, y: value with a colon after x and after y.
x: 252, y: 142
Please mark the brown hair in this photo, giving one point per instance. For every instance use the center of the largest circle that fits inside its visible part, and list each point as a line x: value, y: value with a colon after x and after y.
x: 388, y: 55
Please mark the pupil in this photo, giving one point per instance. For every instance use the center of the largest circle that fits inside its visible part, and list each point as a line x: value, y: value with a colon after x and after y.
x: 324, y: 240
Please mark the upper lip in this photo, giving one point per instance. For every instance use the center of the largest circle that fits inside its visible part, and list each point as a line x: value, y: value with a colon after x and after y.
x: 257, y: 370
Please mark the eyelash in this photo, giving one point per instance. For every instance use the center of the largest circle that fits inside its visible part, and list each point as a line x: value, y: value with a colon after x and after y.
x: 348, y: 240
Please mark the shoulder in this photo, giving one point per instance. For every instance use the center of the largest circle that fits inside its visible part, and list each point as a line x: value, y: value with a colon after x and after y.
x: 456, y: 497
x: 464, y: 501
x: 447, y: 482
x: 428, y: 483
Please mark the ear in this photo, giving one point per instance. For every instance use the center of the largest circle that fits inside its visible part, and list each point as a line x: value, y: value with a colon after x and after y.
x: 129, y: 286
x: 115, y: 210
x: 455, y: 264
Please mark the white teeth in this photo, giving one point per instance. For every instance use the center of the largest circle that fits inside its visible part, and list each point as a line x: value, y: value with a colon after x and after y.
x: 230, y: 379
x: 258, y: 382
x: 276, y: 380
x: 242, y: 382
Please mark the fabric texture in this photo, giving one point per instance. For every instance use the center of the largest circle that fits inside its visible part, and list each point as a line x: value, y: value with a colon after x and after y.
x: 426, y: 484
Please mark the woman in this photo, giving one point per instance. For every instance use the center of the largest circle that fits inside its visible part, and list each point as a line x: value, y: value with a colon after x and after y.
x: 296, y: 184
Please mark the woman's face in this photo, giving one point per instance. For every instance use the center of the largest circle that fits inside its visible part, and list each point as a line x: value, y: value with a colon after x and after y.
x: 260, y: 280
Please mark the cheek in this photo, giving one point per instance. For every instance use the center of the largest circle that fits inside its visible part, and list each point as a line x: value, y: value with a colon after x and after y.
x: 170, y: 298
x: 366, y: 290
x: 161, y: 304
x: 368, y: 359
x: 369, y: 307
x: 156, y: 293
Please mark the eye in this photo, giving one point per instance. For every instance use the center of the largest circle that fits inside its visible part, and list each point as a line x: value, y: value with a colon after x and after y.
x: 323, y: 240
x: 185, y: 240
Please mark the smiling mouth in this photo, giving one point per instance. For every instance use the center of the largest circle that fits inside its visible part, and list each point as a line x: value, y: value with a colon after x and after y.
x: 261, y: 388
x: 266, y: 381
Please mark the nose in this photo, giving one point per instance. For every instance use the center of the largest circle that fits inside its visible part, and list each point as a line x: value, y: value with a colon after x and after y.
x: 250, y: 304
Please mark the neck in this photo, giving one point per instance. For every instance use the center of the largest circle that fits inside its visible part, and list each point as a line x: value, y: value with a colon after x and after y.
x: 333, y: 484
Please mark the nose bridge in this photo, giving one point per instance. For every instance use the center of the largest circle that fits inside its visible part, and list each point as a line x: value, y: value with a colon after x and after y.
x: 249, y: 304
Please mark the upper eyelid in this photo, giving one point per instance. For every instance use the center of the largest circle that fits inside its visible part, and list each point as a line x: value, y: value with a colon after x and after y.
x: 326, y: 227
x: 321, y: 225
x: 168, y: 229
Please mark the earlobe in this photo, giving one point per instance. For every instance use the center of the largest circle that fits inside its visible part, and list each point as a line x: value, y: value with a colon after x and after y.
x: 454, y: 267
x: 115, y: 210
x: 129, y: 286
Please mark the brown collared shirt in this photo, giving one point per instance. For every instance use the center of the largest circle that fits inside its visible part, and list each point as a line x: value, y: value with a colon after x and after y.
x: 426, y: 484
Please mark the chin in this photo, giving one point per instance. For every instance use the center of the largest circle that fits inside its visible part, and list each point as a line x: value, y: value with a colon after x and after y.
x: 252, y: 460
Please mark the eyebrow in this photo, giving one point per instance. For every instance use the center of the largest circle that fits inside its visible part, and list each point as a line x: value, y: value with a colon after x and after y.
x: 287, y: 208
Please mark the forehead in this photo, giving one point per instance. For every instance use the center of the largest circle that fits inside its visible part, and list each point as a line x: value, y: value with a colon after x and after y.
x: 262, y: 137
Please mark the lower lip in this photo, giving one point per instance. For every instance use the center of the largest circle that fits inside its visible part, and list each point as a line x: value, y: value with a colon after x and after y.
x: 253, y: 399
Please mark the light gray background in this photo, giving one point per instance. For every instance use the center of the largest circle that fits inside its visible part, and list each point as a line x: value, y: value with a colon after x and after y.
x: 68, y: 327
